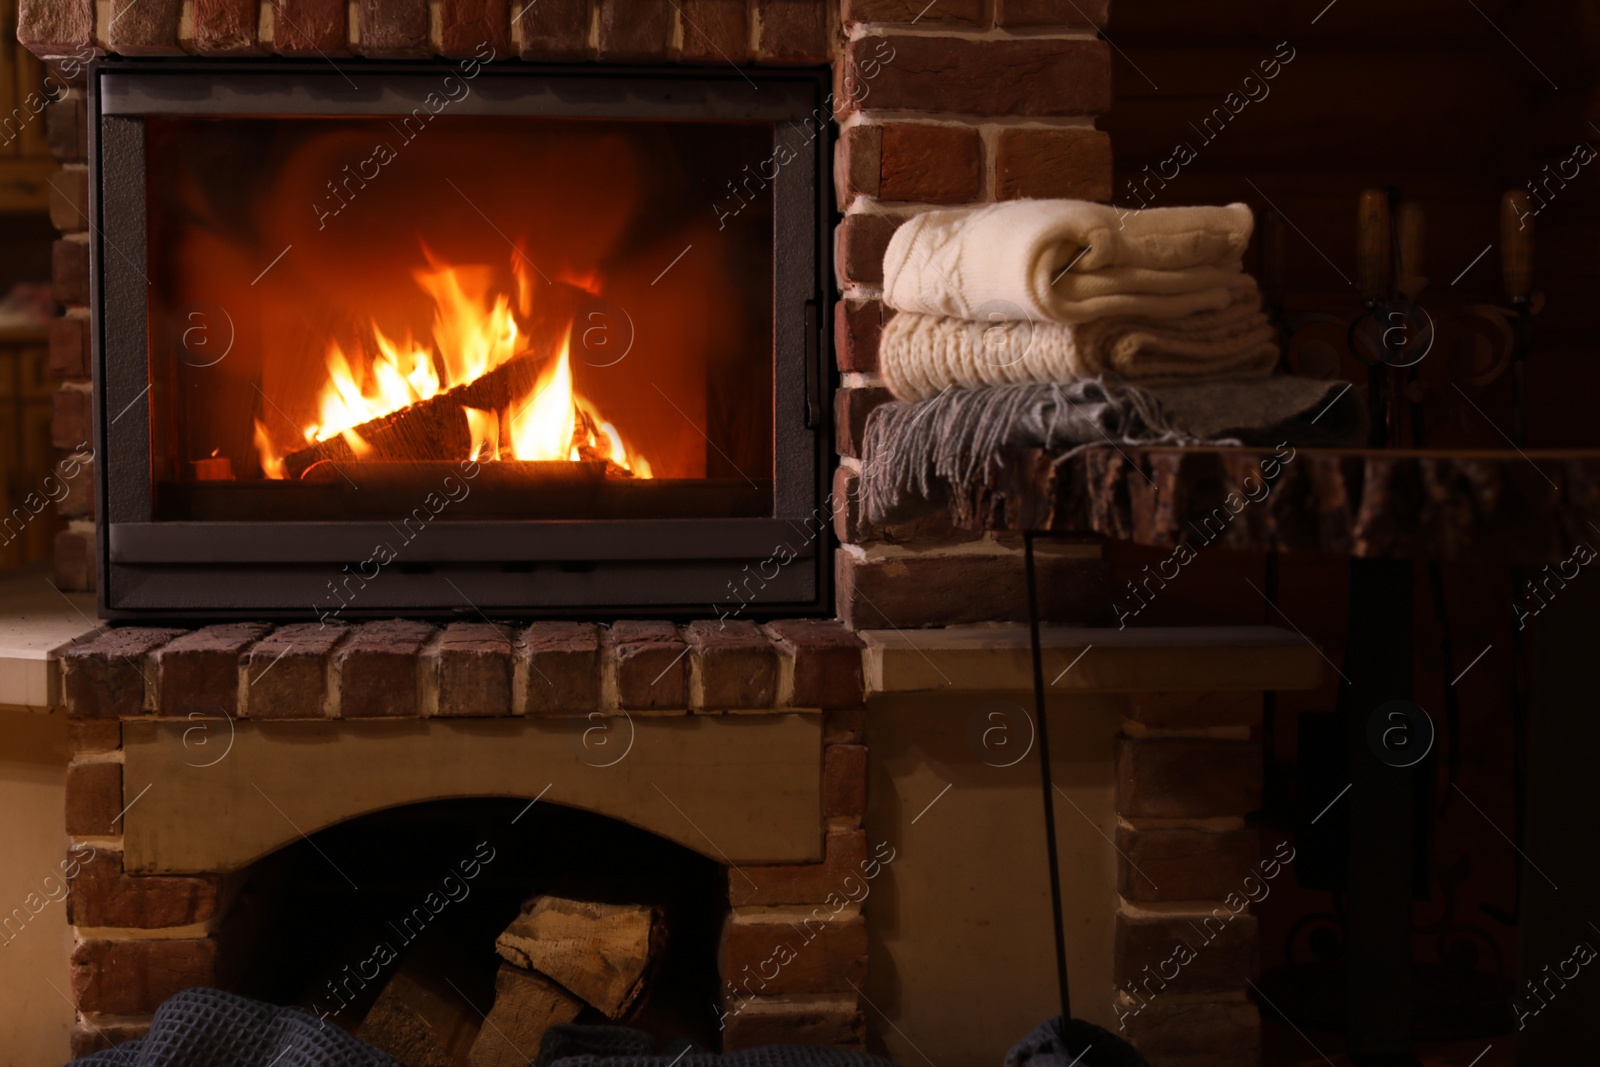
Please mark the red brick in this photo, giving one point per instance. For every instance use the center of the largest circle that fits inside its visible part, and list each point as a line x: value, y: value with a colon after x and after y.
x: 71, y: 423
x: 1220, y: 1033
x: 199, y: 672
x: 845, y: 857
x: 94, y: 735
x: 563, y: 668
x: 1189, y: 711
x: 66, y: 127
x: 394, y: 28
x: 377, y: 669
x: 1184, y: 778
x: 863, y: 238
x: 102, y: 895
x: 1213, y: 951
x: 793, y: 31
x: 715, y: 31
x: 69, y: 347
x: 822, y: 951
x: 952, y: 74
x: 286, y: 673
x: 1037, y: 13
x: 144, y: 27
x: 857, y: 162
x: 932, y: 530
x: 70, y: 270
x: 825, y: 662
x: 1183, y: 864
x: 1073, y: 164
x: 635, y: 29
x: 227, y: 27
x: 69, y: 199
x: 858, y: 328
x: 466, y: 25
x: 56, y: 27
x: 474, y: 669
x: 104, y: 678
x: 134, y: 977
x: 817, y: 1019
x: 555, y: 29
x: 310, y: 27
x: 931, y: 164
x: 937, y: 588
x: 849, y: 522
x: 107, y: 1033
x: 649, y: 658
x: 732, y: 665
x: 94, y: 797
x: 78, y: 477
x: 73, y: 560
x: 844, y: 781
x: 917, y: 12
x: 851, y: 406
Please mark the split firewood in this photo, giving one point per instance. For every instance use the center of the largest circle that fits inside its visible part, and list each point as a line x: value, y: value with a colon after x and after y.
x: 602, y: 953
x: 419, y: 1020
x: 431, y: 429
x: 525, y: 1006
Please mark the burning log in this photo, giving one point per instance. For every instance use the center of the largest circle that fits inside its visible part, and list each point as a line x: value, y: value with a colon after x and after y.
x: 431, y: 429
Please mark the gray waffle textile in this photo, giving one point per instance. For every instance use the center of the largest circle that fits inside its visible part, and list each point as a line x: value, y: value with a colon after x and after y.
x: 210, y: 1028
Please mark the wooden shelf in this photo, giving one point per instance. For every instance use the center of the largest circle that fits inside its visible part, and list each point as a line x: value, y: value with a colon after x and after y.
x: 1531, y: 508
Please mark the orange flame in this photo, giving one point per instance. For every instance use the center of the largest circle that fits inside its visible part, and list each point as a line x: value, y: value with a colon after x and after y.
x: 474, y: 331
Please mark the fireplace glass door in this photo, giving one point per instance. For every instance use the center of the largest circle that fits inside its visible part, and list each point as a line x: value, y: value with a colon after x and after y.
x: 523, y: 317
x: 569, y: 319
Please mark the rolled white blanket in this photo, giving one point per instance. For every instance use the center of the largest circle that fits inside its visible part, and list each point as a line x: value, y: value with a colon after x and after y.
x: 920, y: 356
x: 1067, y: 261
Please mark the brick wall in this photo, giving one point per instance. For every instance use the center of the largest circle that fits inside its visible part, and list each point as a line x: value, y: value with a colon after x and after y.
x: 72, y: 424
x: 1188, y: 771
x: 141, y: 938
x: 957, y: 102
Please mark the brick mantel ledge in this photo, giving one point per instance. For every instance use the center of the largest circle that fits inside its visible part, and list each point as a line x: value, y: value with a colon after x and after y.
x: 407, y: 669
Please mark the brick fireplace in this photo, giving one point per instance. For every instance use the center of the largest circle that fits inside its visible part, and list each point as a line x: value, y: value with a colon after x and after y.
x: 740, y: 743
x: 750, y: 736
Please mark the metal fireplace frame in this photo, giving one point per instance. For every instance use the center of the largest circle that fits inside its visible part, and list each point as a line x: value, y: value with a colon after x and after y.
x: 532, y: 568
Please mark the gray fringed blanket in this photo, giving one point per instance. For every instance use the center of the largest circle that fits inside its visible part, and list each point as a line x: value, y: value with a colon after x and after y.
x: 914, y: 451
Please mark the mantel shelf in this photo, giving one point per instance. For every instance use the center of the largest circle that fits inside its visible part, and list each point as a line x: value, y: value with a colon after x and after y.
x: 1531, y: 508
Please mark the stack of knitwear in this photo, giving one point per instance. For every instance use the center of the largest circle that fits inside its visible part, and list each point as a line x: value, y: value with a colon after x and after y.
x: 1056, y: 290
x: 1009, y: 311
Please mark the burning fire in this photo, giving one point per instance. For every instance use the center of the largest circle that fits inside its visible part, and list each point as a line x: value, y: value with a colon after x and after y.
x: 474, y: 332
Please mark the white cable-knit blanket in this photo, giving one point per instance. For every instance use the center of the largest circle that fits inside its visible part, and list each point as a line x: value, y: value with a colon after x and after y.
x: 919, y: 356
x: 1067, y: 261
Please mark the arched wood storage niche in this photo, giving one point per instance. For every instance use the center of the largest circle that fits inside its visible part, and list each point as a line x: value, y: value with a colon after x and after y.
x: 421, y: 891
